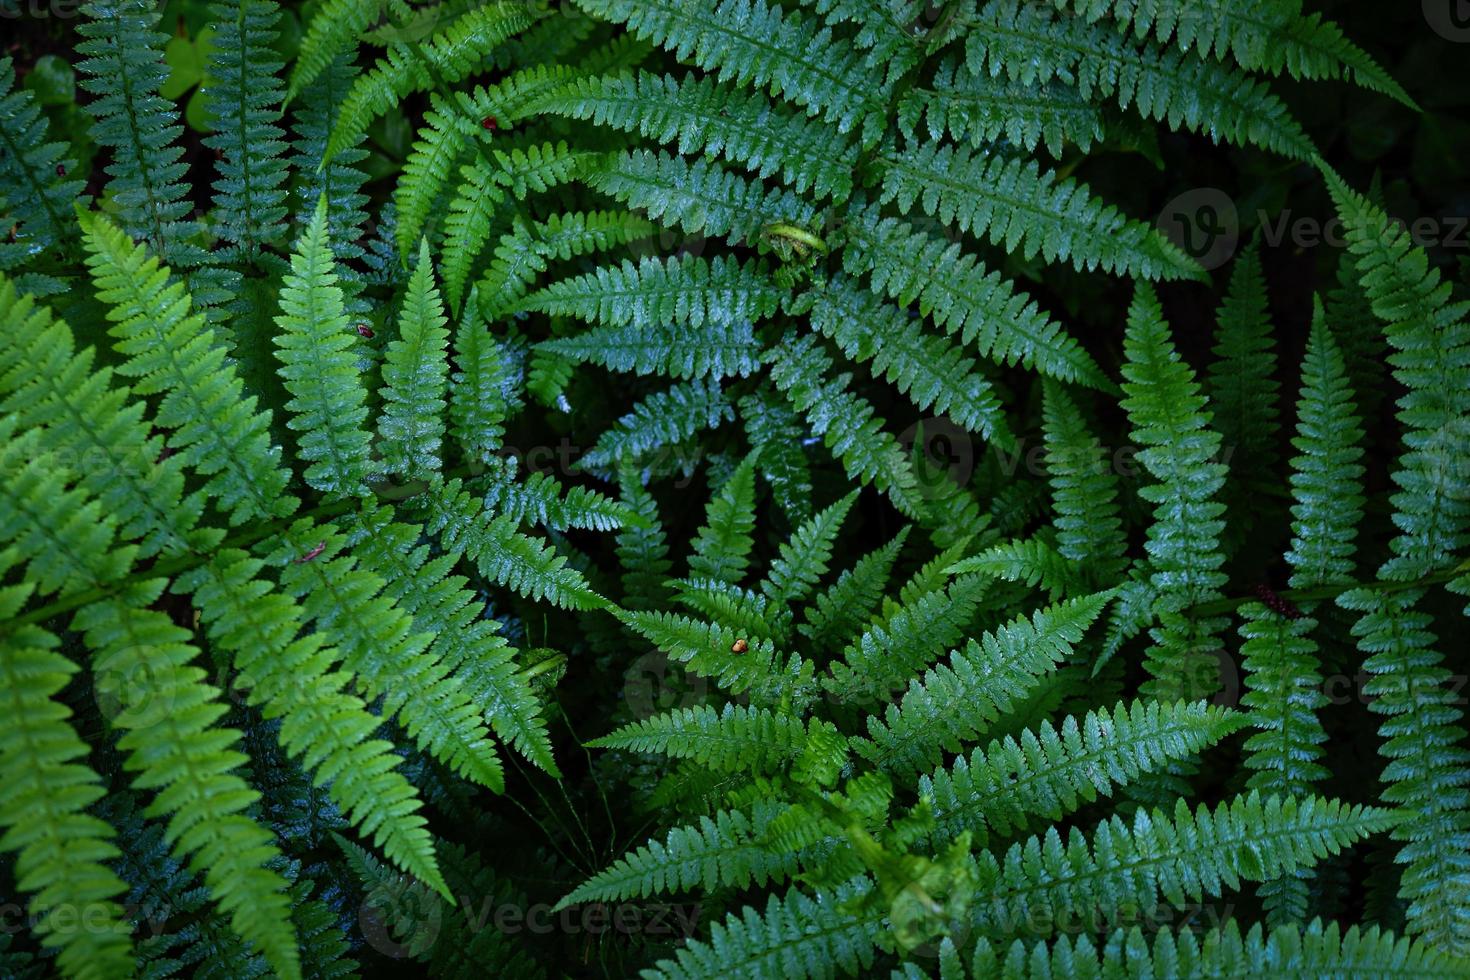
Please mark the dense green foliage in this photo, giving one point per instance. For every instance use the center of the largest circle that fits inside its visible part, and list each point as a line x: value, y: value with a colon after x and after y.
x: 722, y: 488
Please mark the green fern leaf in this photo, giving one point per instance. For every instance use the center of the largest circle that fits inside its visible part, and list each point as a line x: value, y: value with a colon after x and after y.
x: 41, y: 170
x: 447, y: 57
x: 60, y: 850
x: 658, y: 423
x: 415, y: 374
x: 1287, y: 951
x: 1028, y: 211
x: 686, y: 289
x: 1051, y: 772
x: 795, y: 936
x: 723, y: 851
x: 1430, y: 334
x: 1174, y: 857
x: 244, y: 92
x: 963, y: 297
x: 933, y: 374
x: 955, y: 702
x: 214, y: 427
x: 1168, y: 415
x: 334, y: 29
x: 315, y: 348
x: 846, y: 422
x: 504, y: 555
x: 1029, y: 43
x: 1084, y: 491
x: 1429, y: 769
x: 751, y: 43
x: 701, y: 115
x: 699, y: 197
x: 1274, y: 36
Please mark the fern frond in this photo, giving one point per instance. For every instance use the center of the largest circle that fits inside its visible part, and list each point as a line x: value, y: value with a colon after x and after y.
x: 661, y: 421
x: 391, y: 663
x: 775, y: 436
x: 47, y: 383
x: 525, y: 252
x: 803, y: 560
x: 751, y: 43
x: 682, y: 289
x: 1275, y: 37
x: 407, y: 67
x: 1084, y: 489
x: 908, y: 639
x: 722, y: 546
x: 846, y: 423
x: 1242, y: 389
x: 503, y: 554
x: 1430, y: 334
x: 723, y: 851
x: 747, y: 612
x: 1013, y: 203
x: 482, y: 390
x: 985, y: 110
x: 933, y: 374
x: 643, y: 550
x: 699, y: 197
x: 41, y: 172
x: 1286, y: 951
x: 712, y: 350
x: 1428, y: 773
x: 1176, y: 857
x: 467, y: 644
x: 334, y: 29
x: 709, y: 650
x: 214, y: 426
x: 962, y: 296
x: 339, y: 179
x: 881, y: 31
x: 1051, y: 772
x: 315, y: 347
x: 1031, y: 561
x: 1324, y: 480
x: 61, y: 851
x: 244, y: 94
x: 1284, y: 697
x: 289, y: 677
x: 736, y: 739
x: 955, y: 702
x: 698, y: 114
x: 540, y: 499
x: 458, y: 126
x: 170, y: 736
x: 1030, y: 43
x: 1285, y: 694
x: 1168, y: 416
x: 124, y: 69
x: 840, y: 610
x: 415, y: 375
x: 796, y: 936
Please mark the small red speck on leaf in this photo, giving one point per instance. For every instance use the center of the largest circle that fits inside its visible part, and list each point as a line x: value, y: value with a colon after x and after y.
x: 313, y: 553
x: 1277, y: 604
x: 60, y: 170
x: 364, y: 331
x: 490, y: 123
x: 739, y: 646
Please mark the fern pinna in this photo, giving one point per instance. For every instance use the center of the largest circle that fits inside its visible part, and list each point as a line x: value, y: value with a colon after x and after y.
x: 471, y: 465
